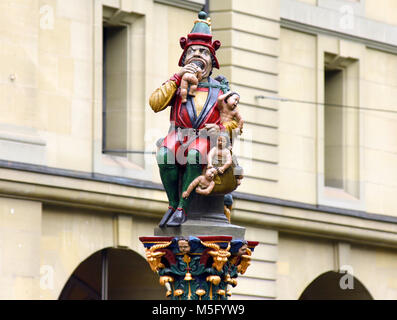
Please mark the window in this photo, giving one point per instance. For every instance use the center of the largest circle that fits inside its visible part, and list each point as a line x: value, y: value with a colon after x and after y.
x: 333, y: 125
x: 115, y: 103
x: 119, y: 90
x: 341, y: 124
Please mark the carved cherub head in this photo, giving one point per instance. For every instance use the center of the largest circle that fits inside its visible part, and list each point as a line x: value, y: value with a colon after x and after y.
x: 242, y: 250
x: 239, y: 247
x: 183, y: 245
x: 232, y: 100
x: 210, y: 173
x: 223, y: 141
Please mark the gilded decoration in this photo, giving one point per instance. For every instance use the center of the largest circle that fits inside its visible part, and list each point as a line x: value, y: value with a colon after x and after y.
x: 198, y: 268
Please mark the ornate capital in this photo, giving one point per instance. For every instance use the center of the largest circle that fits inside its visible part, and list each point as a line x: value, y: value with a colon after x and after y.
x: 198, y: 268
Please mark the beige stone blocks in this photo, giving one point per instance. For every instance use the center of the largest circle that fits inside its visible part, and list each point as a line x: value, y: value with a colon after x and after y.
x: 69, y: 236
x: 247, y: 59
x: 262, y: 269
x: 303, y: 121
x: 246, y: 41
x: 25, y: 23
x: 297, y: 121
x: 20, y: 231
x: 56, y: 39
x: 252, y: 96
x: 259, y: 281
x: 246, y: 23
x: 81, y: 39
x: 300, y: 261
x: 262, y: 134
x: 303, y: 260
x: 74, y: 10
x: 269, y: 9
x: 51, y: 61
x: 259, y: 170
x: 312, y: 2
x: 378, y: 91
x: 48, y: 76
x: 260, y: 186
x: 381, y: 180
x: 299, y: 155
x: 253, y: 287
x: 380, y: 67
x: 293, y: 189
x: 381, y: 10
x: 375, y: 268
x: 261, y: 152
x: 123, y: 229
x: 253, y: 112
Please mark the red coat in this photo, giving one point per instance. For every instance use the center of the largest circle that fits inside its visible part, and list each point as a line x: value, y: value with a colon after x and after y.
x: 183, y: 115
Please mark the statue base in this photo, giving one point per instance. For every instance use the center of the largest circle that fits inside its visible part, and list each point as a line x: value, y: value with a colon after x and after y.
x: 202, y: 228
x: 206, y: 217
x: 202, y: 258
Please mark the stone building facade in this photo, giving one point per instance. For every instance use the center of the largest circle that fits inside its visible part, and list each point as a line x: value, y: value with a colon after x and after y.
x: 317, y: 80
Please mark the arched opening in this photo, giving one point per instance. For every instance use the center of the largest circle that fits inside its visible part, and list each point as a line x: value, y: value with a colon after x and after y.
x: 113, y: 274
x: 335, y: 286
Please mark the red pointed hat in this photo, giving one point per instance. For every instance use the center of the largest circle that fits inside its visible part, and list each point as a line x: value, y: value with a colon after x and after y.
x: 200, y: 35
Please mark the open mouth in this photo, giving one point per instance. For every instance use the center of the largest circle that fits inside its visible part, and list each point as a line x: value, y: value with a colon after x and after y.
x: 198, y: 62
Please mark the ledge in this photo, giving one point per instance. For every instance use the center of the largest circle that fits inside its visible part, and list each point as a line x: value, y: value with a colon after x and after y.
x: 320, y: 208
x: 193, y: 5
x: 321, y: 229
x: 147, y: 199
x: 314, y: 20
x: 141, y: 184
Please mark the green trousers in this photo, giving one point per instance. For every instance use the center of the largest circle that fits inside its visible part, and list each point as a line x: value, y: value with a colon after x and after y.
x: 169, y: 173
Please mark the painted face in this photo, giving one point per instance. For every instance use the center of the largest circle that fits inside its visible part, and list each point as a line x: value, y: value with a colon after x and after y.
x: 233, y: 101
x: 242, y: 250
x: 200, y: 55
x: 211, y: 173
x: 221, y: 142
x: 183, y: 246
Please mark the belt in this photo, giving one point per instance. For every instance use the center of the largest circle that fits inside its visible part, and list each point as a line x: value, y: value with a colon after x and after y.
x: 193, y: 130
x: 190, y: 133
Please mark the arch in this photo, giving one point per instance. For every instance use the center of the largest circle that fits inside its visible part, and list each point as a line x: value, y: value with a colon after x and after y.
x: 114, y: 274
x: 332, y: 285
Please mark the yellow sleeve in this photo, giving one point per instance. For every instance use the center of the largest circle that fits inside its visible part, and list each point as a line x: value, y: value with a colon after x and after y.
x: 161, y: 97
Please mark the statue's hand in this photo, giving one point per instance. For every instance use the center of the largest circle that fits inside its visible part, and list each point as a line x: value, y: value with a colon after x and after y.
x: 233, y: 99
x: 221, y: 99
x: 191, y: 74
x: 212, y: 128
x: 189, y: 68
